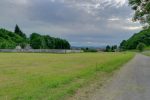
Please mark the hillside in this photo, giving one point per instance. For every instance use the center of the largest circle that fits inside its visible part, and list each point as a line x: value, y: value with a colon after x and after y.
x: 141, y: 37
x: 9, y: 40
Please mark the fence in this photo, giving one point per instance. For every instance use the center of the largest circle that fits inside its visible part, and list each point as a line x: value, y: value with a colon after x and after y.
x: 41, y: 51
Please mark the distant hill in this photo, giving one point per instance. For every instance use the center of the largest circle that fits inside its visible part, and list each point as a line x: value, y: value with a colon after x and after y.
x: 141, y: 37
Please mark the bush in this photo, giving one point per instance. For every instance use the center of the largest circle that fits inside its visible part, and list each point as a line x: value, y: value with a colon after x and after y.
x: 141, y: 47
x: 108, y: 48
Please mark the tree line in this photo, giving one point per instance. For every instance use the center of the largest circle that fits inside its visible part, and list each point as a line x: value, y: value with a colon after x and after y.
x: 9, y: 40
x: 111, y: 48
x: 38, y: 41
x: 141, y: 38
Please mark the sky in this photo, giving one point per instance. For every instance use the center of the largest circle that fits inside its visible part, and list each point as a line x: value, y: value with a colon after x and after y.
x: 82, y: 22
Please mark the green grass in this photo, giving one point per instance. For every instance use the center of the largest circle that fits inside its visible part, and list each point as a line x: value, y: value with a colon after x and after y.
x: 146, y: 53
x: 34, y: 76
x: 147, y: 48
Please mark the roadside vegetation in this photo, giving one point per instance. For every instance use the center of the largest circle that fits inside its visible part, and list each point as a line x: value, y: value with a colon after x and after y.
x: 147, y: 48
x: 146, y: 53
x: 52, y: 76
x: 141, y: 38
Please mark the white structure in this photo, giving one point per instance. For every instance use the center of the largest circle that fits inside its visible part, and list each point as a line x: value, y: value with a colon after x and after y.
x: 18, y: 47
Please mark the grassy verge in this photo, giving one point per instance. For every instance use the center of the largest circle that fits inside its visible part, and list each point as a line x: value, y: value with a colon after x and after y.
x: 147, y: 48
x: 32, y: 76
x: 147, y: 53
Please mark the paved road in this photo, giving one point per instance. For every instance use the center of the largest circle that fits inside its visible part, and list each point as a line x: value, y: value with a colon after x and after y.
x: 132, y: 82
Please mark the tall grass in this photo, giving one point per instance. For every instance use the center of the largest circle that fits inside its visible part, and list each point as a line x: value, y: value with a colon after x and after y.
x: 29, y: 76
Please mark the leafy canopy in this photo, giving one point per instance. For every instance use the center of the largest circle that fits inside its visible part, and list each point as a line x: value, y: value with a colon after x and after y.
x: 9, y: 40
x: 142, y: 11
x: 19, y: 32
x: 141, y: 37
x: 38, y: 41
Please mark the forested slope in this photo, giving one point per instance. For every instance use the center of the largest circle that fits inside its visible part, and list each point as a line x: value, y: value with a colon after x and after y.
x: 9, y: 40
x: 141, y: 37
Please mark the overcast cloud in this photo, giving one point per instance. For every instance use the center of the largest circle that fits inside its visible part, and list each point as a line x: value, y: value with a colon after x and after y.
x: 82, y: 22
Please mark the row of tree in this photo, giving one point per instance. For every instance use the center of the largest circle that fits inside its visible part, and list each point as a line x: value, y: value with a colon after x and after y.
x: 111, y: 48
x: 9, y: 40
x: 38, y: 41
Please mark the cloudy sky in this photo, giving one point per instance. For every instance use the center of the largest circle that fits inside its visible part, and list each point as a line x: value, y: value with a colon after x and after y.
x: 81, y: 22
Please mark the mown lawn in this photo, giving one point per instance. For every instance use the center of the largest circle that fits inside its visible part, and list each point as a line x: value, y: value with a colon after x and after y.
x: 34, y: 76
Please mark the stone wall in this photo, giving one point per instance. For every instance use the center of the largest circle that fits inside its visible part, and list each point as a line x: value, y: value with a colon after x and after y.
x: 41, y: 51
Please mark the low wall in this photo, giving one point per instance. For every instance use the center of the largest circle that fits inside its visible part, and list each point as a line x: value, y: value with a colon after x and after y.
x: 41, y: 50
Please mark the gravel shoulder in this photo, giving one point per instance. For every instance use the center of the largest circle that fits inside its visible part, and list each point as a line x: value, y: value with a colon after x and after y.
x: 132, y: 82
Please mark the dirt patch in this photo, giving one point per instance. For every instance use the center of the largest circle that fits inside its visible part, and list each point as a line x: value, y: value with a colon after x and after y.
x: 87, y: 91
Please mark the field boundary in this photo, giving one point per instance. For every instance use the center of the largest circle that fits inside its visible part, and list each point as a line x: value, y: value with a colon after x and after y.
x: 59, y: 51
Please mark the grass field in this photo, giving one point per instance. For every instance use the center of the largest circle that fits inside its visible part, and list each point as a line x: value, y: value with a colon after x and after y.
x: 29, y: 76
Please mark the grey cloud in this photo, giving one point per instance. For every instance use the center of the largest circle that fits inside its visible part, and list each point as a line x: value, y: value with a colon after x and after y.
x: 71, y: 19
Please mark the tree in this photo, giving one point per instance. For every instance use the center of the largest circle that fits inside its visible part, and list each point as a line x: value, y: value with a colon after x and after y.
x: 19, y: 32
x: 141, y: 47
x: 66, y: 44
x: 142, y: 11
x: 108, y: 48
x: 123, y: 45
x: 114, y: 48
x: 37, y: 41
x: 49, y: 42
